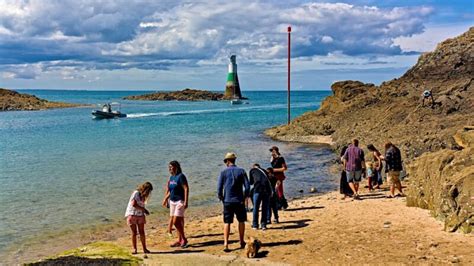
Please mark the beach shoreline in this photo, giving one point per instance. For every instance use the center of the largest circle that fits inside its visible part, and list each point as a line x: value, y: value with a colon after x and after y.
x: 320, y: 229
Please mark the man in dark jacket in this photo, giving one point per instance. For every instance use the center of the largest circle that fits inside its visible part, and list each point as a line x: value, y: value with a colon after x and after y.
x: 262, y: 190
x: 232, y: 189
x: 393, y: 161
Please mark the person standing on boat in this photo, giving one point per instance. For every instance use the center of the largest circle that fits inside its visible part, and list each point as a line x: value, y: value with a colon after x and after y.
x: 279, y: 168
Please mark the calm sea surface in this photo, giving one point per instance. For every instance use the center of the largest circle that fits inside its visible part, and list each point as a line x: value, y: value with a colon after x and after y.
x: 62, y: 170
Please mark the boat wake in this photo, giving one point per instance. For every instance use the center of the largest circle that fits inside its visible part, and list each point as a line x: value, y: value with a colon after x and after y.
x: 220, y: 110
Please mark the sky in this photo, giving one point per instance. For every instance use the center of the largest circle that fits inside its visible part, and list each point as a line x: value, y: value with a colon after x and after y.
x: 173, y: 44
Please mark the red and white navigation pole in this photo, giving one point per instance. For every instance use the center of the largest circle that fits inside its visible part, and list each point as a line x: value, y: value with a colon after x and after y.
x: 289, y: 53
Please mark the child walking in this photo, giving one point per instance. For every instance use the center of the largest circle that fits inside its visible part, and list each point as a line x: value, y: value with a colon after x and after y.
x: 136, y: 212
x: 371, y: 175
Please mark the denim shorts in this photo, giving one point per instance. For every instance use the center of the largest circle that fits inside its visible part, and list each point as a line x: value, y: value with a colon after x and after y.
x: 354, y: 176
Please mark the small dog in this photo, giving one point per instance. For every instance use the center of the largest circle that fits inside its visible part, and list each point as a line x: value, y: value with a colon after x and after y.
x: 252, y: 246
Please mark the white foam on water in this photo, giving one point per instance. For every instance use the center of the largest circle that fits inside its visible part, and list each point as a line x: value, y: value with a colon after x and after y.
x: 221, y: 110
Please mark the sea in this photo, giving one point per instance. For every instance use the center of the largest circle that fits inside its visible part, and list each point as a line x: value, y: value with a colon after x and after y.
x: 63, y: 171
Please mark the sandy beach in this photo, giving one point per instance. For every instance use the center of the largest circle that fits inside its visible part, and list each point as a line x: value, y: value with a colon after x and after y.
x: 321, y: 229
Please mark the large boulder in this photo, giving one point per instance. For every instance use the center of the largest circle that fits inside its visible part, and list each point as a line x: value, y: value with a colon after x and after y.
x: 443, y: 182
x: 346, y: 90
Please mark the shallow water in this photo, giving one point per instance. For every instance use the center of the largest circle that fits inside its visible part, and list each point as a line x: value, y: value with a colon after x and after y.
x: 62, y: 170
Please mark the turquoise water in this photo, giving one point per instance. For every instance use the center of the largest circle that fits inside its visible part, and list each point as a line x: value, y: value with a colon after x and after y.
x: 61, y: 169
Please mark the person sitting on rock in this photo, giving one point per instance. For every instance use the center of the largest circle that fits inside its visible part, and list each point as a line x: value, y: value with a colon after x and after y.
x: 428, y: 94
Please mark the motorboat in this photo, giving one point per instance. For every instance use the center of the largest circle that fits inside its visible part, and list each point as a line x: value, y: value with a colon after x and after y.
x: 106, y: 111
x: 236, y: 101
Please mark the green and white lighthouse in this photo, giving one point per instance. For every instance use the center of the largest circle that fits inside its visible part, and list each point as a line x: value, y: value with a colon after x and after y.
x: 232, y: 87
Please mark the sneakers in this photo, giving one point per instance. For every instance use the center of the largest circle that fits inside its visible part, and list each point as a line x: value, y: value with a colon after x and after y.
x: 275, y: 220
x: 254, y: 228
x: 264, y: 228
x: 184, y: 244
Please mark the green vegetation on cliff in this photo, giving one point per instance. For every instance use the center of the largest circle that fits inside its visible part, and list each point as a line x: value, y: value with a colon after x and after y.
x: 440, y: 168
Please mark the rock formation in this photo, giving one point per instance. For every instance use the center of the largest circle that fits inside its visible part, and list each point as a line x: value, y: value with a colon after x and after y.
x: 14, y: 101
x: 184, y: 95
x: 437, y: 148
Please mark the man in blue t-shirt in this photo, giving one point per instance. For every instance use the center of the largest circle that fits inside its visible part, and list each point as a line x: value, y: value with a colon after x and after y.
x: 232, y: 189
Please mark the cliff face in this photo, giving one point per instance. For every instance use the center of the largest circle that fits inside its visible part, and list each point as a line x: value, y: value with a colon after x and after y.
x: 184, y: 95
x: 14, y: 101
x: 394, y: 111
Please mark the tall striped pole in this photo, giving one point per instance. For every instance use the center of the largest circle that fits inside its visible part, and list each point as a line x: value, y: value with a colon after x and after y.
x: 289, y: 53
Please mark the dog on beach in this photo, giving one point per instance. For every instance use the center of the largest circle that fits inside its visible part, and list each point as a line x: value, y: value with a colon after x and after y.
x: 252, y: 246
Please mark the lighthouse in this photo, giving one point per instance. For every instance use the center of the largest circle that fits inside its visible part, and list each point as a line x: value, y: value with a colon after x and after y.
x: 232, y: 87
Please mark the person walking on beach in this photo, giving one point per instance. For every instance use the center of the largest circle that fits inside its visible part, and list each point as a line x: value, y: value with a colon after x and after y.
x: 393, y: 162
x: 354, y: 164
x: 178, y: 195
x: 279, y: 168
x: 136, y: 212
x: 262, y: 191
x: 344, y: 187
x: 232, y: 189
x: 378, y: 165
x: 273, y: 204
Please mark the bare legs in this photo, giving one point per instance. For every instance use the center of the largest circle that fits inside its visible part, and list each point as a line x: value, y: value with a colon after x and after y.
x: 226, y: 236
x: 355, y: 188
x: 179, y: 225
x: 138, y: 229
x: 170, y: 226
x: 133, y: 228
x: 397, y: 184
x: 241, y: 233
x: 227, y: 233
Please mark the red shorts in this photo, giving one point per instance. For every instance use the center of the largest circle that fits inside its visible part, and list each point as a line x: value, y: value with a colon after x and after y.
x: 132, y: 219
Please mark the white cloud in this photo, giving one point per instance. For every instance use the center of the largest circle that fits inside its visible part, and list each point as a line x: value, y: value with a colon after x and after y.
x: 428, y: 40
x: 327, y: 39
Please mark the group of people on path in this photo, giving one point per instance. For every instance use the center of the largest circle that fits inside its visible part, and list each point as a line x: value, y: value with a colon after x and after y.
x: 264, y: 188
x: 355, y: 167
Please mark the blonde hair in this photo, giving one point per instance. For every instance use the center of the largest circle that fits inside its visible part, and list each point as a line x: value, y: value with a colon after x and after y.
x: 369, y: 165
x: 145, y: 190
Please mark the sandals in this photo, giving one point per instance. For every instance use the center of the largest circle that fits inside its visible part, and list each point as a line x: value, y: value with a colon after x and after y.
x: 175, y: 244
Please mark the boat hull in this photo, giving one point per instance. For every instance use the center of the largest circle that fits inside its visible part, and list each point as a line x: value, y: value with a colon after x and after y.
x: 107, y: 115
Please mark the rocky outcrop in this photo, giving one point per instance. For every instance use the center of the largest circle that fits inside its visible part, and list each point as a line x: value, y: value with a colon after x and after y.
x: 14, y: 101
x: 184, y: 95
x: 394, y: 111
x: 444, y: 183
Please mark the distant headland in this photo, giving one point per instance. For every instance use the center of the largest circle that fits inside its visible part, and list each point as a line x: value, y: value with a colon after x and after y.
x: 183, y: 95
x: 15, y: 101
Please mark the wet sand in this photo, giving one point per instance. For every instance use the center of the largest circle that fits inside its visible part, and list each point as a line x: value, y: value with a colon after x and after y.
x: 322, y: 229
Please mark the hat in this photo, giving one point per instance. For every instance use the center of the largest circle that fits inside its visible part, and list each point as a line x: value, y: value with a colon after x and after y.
x: 230, y: 155
x: 274, y: 148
